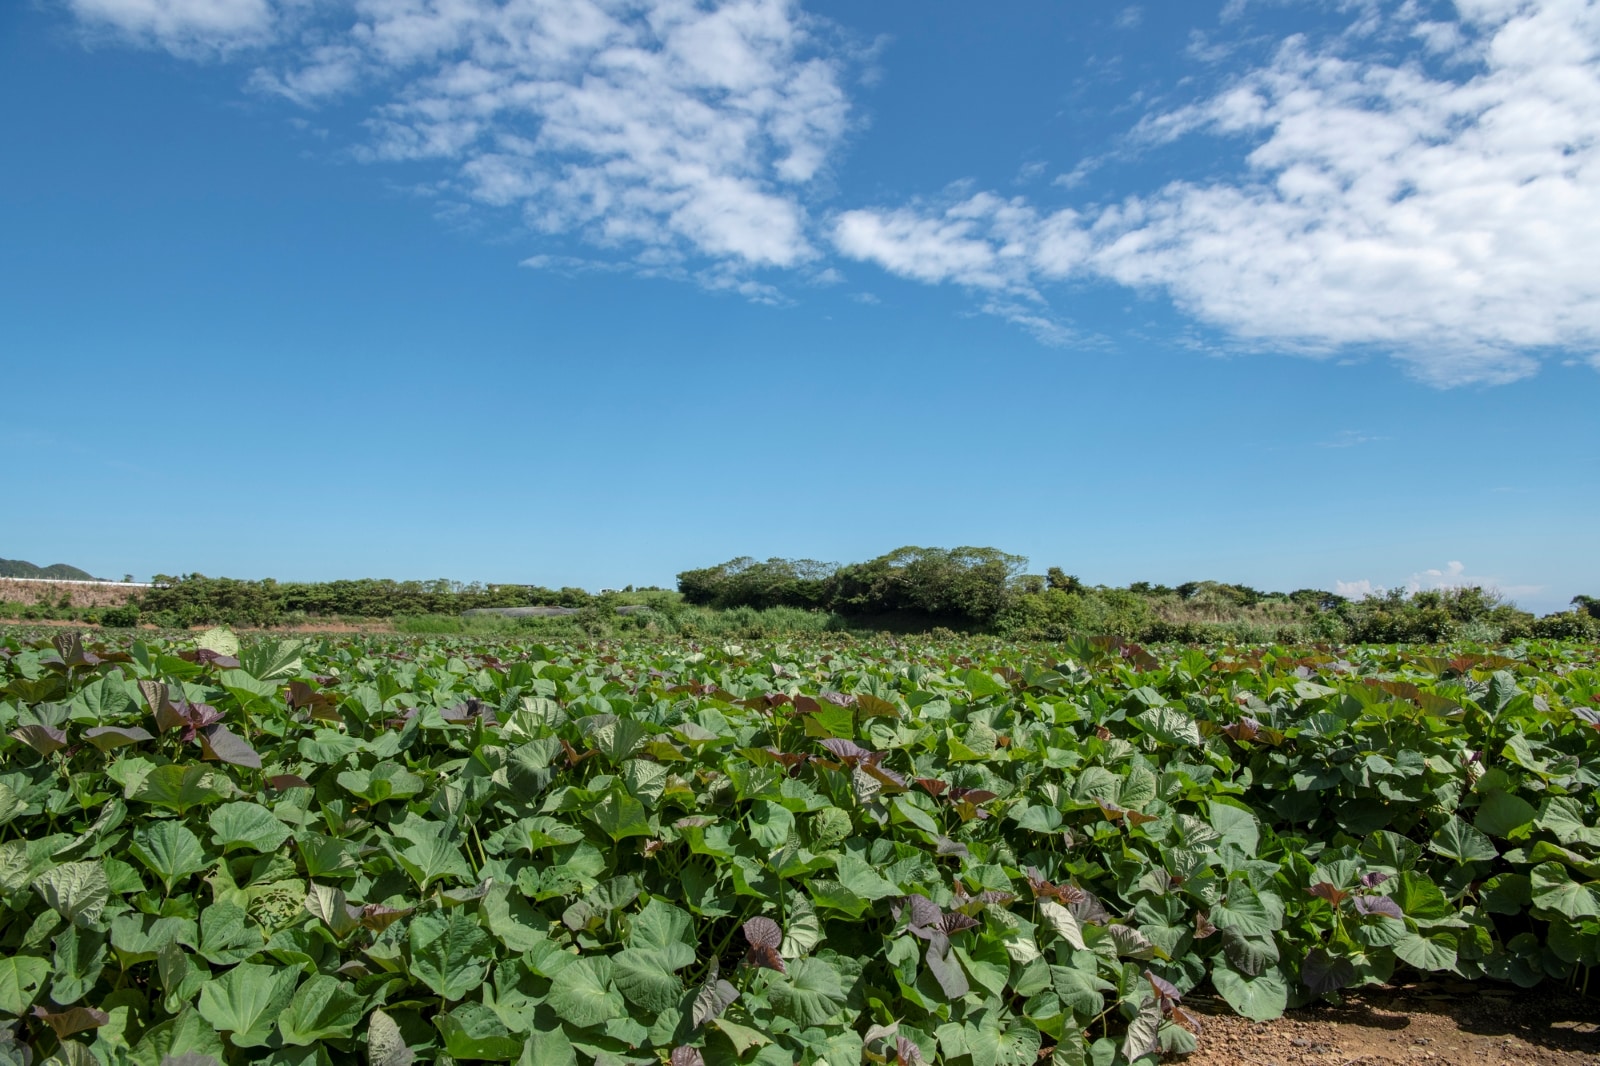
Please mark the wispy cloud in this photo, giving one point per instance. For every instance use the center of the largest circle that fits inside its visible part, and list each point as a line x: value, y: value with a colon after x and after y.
x: 188, y: 28
x: 683, y: 136
x: 1350, y: 438
x: 1450, y: 222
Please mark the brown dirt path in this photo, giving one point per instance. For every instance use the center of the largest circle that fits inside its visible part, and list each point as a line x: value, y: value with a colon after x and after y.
x: 1438, y: 1023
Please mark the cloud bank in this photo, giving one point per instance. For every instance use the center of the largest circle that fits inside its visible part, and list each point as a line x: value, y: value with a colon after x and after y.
x: 1453, y: 575
x: 1427, y: 188
x: 1450, y: 221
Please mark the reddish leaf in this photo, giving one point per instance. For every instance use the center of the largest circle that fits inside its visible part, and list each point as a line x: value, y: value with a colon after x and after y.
x: 1245, y: 729
x: 1188, y: 1019
x: 195, y: 717
x: 1110, y: 811
x: 956, y: 922
x: 1327, y: 891
x: 765, y: 931
x: 1165, y: 990
x: 574, y: 757
x: 765, y: 938
x: 377, y: 917
x: 72, y: 1020
x: 847, y: 751
x: 284, y: 782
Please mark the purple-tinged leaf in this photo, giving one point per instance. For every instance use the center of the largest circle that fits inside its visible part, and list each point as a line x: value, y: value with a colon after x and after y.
x: 1165, y: 990
x: 196, y: 716
x: 72, y: 1020
x: 1323, y: 973
x: 1373, y: 879
x: 883, y: 774
x: 1378, y: 905
x: 207, y: 657
x: 847, y: 751
x: 222, y: 745
x: 956, y: 922
x: 871, y: 706
x: 1328, y: 891
x: 160, y: 701
x: 106, y: 737
x: 70, y: 647
x: 377, y: 917
x: 765, y: 938
x: 43, y: 739
x: 471, y: 710
x: 284, y: 782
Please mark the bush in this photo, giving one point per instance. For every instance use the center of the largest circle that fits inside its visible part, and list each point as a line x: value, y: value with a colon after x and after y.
x: 124, y: 617
x: 1566, y: 625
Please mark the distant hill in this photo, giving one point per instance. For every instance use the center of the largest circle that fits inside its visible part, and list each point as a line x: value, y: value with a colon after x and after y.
x: 53, y: 572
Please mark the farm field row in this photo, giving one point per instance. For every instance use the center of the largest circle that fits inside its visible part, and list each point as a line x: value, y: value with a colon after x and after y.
x: 374, y: 849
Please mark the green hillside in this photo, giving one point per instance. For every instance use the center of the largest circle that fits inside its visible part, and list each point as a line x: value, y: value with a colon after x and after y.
x: 53, y: 572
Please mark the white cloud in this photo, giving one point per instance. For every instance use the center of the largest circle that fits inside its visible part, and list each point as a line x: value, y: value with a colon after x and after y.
x: 1355, y: 590
x: 184, y: 27
x: 667, y: 127
x: 678, y: 134
x: 1453, y: 575
x: 1449, y: 222
x: 1378, y: 205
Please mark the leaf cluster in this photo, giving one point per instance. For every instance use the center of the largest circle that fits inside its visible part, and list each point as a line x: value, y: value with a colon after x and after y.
x: 831, y: 851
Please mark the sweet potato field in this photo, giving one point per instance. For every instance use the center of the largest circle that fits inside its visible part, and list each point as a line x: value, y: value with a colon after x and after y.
x: 828, y: 851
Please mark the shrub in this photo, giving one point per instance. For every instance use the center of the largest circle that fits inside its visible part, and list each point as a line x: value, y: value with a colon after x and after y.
x: 1565, y: 625
x: 124, y: 617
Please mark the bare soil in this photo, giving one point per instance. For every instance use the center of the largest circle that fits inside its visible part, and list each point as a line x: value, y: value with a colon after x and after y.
x: 1437, y: 1022
x: 27, y: 591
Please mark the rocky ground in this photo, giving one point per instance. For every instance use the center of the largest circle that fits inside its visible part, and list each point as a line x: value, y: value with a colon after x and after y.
x: 1435, y: 1022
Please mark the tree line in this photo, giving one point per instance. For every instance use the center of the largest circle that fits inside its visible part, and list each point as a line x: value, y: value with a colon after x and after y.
x: 986, y: 589
x: 194, y: 599
x: 910, y: 589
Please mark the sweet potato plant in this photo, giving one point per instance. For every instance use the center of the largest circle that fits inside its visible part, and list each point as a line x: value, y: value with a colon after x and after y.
x: 830, y: 852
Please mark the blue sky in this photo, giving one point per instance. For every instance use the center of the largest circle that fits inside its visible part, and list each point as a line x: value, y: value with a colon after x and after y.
x: 576, y: 292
